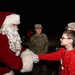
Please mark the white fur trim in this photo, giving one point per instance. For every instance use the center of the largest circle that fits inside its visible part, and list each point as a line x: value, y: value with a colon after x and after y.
x: 12, y: 19
x: 10, y: 73
x: 29, y: 52
x: 27, y: 57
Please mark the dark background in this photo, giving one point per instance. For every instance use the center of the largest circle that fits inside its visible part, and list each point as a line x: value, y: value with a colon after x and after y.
x: 53, y: 15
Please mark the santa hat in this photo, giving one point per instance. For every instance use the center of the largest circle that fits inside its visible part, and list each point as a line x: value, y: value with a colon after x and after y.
x: 9, y: 18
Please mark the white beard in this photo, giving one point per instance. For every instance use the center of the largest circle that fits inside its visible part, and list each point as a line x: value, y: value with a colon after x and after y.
x: 14, y: 38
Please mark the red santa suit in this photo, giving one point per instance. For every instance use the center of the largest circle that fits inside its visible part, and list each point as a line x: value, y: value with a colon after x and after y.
x: 20, y: 60
x: 67, y: 59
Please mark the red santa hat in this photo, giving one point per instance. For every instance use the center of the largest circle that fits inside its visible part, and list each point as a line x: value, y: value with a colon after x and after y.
x: 9, y: 18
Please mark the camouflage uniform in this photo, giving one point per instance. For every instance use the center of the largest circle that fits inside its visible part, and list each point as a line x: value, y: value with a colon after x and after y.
x: 39, y: 44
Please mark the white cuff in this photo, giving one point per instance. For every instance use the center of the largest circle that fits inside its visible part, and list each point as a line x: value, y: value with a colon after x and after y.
x: 10, y: 73
x: 27, y: 58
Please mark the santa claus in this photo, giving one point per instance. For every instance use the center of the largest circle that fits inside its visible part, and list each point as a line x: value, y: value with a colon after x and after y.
x: 13, y: 56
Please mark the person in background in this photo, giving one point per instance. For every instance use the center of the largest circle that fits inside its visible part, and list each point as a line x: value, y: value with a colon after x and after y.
x: 38, y: 43
x: 29, y: 33
x: 25, y: 40
x: 66, y: 54
x: 71, y: 26
x: 13, y: 56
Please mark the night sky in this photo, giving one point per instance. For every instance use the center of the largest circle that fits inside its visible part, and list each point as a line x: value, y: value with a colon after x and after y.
x: 54, y: 17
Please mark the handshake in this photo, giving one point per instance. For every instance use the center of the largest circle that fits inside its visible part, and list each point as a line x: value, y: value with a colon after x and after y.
x: 35, y: 58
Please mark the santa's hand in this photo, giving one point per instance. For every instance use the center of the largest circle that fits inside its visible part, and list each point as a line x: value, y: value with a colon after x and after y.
x: 35, y: 59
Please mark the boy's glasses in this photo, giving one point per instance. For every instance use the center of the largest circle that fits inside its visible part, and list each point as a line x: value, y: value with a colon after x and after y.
x: 64, y: 38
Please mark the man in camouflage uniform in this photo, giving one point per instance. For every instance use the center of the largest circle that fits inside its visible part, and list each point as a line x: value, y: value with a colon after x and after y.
x: 38, y: 43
